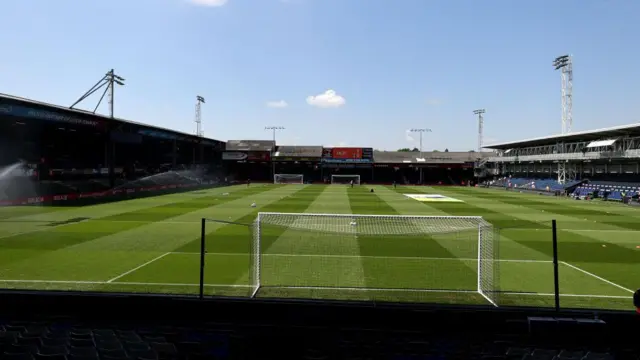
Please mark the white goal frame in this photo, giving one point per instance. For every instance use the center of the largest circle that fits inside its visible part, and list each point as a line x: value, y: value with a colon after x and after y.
x: 487, y: 281
x: 290, y: 176
x: 355, y: 177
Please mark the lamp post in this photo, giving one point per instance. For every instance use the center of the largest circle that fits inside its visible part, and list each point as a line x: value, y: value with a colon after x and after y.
x: 420, y: 132
x: 480, y: 113
x: 564, y: 63
x: 273, y: 129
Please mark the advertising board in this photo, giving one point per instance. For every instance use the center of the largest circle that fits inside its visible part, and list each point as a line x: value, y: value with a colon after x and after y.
x: 26, y: 112
x: 258, y: 156
x: 346, y: 153
x: 234, y: 156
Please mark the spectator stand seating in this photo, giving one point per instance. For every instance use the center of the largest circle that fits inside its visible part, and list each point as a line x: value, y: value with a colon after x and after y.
x: 550, y: 185
x: 609, y: 190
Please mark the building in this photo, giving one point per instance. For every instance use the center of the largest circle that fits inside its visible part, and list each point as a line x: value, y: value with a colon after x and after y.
x: 607, y: 154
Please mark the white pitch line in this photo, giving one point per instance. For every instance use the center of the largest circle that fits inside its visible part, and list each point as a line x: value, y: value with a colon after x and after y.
x: 365, y: 257
x: 567, y: 295
x: 26, y: 281
x: 597, y: 277
x: 575, y: 230
x: 138, y: 267
x: 80, y: 282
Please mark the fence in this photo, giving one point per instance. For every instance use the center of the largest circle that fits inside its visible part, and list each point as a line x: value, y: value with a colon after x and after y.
x: 536, y: 265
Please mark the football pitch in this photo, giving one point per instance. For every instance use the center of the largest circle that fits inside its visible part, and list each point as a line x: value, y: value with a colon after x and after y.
x: 152, y: 245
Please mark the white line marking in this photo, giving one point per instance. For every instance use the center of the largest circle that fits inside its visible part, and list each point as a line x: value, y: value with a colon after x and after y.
x: 568, y: 295
x: 115, y: 283
x: 451, y: 291
x: 597, y: 277
x: 298, y: 287
x: 364, y: 256
x: 138, y: 267
x: 574, y: 230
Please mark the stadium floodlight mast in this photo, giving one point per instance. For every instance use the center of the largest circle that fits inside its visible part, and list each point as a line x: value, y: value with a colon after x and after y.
x: 199, y: 102
x: 110, y: 79
x: 479, y: 112
x: 420, y: 132
x: 564, y: 63
x: 273, y: 129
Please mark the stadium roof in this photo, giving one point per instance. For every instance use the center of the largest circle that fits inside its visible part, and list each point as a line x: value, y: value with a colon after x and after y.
x: 250, y: 145
x: 101, y: 117
x: 298, y: 151
x: 432, y: 157
x: 598, y: 134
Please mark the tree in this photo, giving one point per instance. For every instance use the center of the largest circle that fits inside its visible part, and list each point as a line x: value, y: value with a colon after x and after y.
x: 446, y: 150
x: 409, y: 150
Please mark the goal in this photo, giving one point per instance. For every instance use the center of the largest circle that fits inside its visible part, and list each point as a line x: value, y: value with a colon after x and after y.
x: 379, y: 257
x: 345, y: 179
x: 288, y: 179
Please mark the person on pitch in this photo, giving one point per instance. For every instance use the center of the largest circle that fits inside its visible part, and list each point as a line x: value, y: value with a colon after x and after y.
x: 248, y: 182
x: 394, y: 184
x: 351, y: 182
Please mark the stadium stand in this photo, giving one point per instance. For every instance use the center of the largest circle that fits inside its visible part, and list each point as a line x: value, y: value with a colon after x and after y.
x: 608, y: 190
x: 51, y: 153
x: 41, y: 162
x: 599, y: 155
x: 549, y: 185
x: 214, y: 329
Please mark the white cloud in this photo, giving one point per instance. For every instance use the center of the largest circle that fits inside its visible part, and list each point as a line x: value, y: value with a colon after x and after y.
x: 408, y: 137
x: 328, y: 99
x: 277, y: 104
x: 489, y: 140
x: 209, y: 3
x: 340, y: 144
x: 434, y: 102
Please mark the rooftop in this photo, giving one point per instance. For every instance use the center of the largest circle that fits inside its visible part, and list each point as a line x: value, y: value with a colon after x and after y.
x: 589, y: 135
x: 298, y: 151
x: 86, y: 113
x: 250, y: 145
x: 431, y: 157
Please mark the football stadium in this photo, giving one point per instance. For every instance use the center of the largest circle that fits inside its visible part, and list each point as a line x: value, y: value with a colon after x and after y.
x: 91, y: 203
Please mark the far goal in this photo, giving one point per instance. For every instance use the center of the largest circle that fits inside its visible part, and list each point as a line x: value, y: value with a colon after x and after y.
x: 288, y: 179
x: 345, y: 179
x: 375, y: 257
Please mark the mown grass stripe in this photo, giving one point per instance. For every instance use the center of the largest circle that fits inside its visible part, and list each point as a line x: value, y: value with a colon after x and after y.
x: 555, y: 206
x: 397, y: 253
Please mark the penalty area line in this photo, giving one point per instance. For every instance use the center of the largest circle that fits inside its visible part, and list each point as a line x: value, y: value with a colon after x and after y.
x: 138, y: 267
x: 597, y: 277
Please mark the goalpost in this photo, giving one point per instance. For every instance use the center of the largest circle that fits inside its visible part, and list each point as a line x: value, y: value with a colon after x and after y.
x: 288, y: 179
x: 366, y: 256
x: 345, y: 179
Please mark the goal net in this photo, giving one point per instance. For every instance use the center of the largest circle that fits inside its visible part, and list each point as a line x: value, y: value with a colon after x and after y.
x: 345, y: 179
x: 288, y: 179
x: 375, y: 257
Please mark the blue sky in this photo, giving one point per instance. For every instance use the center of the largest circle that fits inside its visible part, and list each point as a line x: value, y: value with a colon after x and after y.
x: 393, y: 65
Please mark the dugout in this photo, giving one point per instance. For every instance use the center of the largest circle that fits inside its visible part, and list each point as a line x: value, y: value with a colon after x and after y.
x: 84, y: 151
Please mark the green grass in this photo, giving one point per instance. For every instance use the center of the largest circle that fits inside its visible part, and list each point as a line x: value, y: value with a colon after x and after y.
x: 152, y: 245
